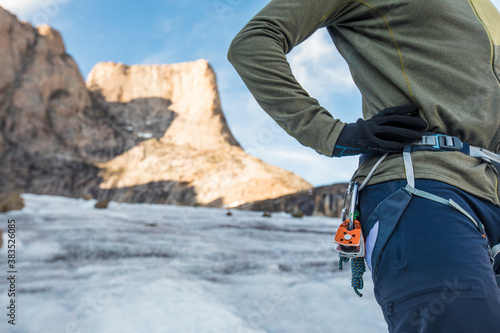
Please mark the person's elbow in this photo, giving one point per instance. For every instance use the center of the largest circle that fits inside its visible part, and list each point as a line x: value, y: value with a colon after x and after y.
x: 235, y: 50
x: 243, y: 47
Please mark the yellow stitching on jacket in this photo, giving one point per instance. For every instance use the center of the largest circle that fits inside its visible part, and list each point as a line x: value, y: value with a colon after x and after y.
x: 492, y: 44
x: 400, y: 55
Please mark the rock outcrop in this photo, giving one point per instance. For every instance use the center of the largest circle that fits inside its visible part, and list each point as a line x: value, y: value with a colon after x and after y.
x: 152, y: 134
x: 10, y: 201
x: 320, y: 201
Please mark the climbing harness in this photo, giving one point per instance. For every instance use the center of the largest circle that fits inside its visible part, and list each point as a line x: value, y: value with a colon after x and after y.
x: 349, y: 236
x: 442, y: 142
x: 410, y: 188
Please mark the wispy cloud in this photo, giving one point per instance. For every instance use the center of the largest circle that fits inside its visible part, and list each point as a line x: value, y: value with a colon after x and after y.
x: 20, y: 7
x: 35, y: 11
x: 319, y: 67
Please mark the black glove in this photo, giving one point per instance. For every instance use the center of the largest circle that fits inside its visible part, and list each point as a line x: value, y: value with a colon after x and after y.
x: 386, y: 132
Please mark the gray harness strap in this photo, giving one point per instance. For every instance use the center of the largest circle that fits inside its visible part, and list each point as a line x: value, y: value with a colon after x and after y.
x: 443, y: 142
x: 495, y: 250
x: 410, y: 188
x: 485, y: 155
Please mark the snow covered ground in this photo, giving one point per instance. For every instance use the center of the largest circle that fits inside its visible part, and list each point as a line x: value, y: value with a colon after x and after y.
x: 152, y: 268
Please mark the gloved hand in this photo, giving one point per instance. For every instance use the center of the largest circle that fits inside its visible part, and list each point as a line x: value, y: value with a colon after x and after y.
x: 386, y: 132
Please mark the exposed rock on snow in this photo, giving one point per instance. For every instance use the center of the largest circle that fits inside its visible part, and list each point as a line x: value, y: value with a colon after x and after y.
x: 10, y: 201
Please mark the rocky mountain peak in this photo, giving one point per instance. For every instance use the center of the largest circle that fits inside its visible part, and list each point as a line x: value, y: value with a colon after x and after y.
x: 186, y: 92
x: 142, y: 133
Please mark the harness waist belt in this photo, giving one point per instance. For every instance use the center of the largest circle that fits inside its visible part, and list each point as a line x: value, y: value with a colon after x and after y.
x: 443, y: 142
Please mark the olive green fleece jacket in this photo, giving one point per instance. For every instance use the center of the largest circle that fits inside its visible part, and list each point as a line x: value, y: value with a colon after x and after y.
x: 441, y: 55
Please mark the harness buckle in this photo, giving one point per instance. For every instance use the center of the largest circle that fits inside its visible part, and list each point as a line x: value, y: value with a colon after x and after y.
x: 442, y: 142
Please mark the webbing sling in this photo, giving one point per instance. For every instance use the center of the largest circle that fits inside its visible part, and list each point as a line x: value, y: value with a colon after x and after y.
x: 410, y: 188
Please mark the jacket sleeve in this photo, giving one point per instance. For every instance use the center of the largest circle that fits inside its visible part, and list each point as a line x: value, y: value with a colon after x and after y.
x: 258, y: 53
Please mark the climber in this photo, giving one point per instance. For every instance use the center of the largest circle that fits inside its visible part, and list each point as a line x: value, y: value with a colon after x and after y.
x: 429, y: 75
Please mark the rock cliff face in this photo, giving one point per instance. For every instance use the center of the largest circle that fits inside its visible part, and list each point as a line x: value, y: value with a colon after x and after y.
x: 319, y: 201
x: 152, y: 134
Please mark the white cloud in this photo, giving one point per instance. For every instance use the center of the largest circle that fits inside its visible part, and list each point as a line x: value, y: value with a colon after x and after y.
x: 20, y: 7
x: 319, y: 67
x: 496, y: 3
x: 35, y: 11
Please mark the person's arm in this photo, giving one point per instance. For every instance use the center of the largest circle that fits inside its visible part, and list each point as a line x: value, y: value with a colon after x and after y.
x: 258, y: 55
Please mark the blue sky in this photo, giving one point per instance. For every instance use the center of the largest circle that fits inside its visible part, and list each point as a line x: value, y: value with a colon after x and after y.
x: 168, y: 31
